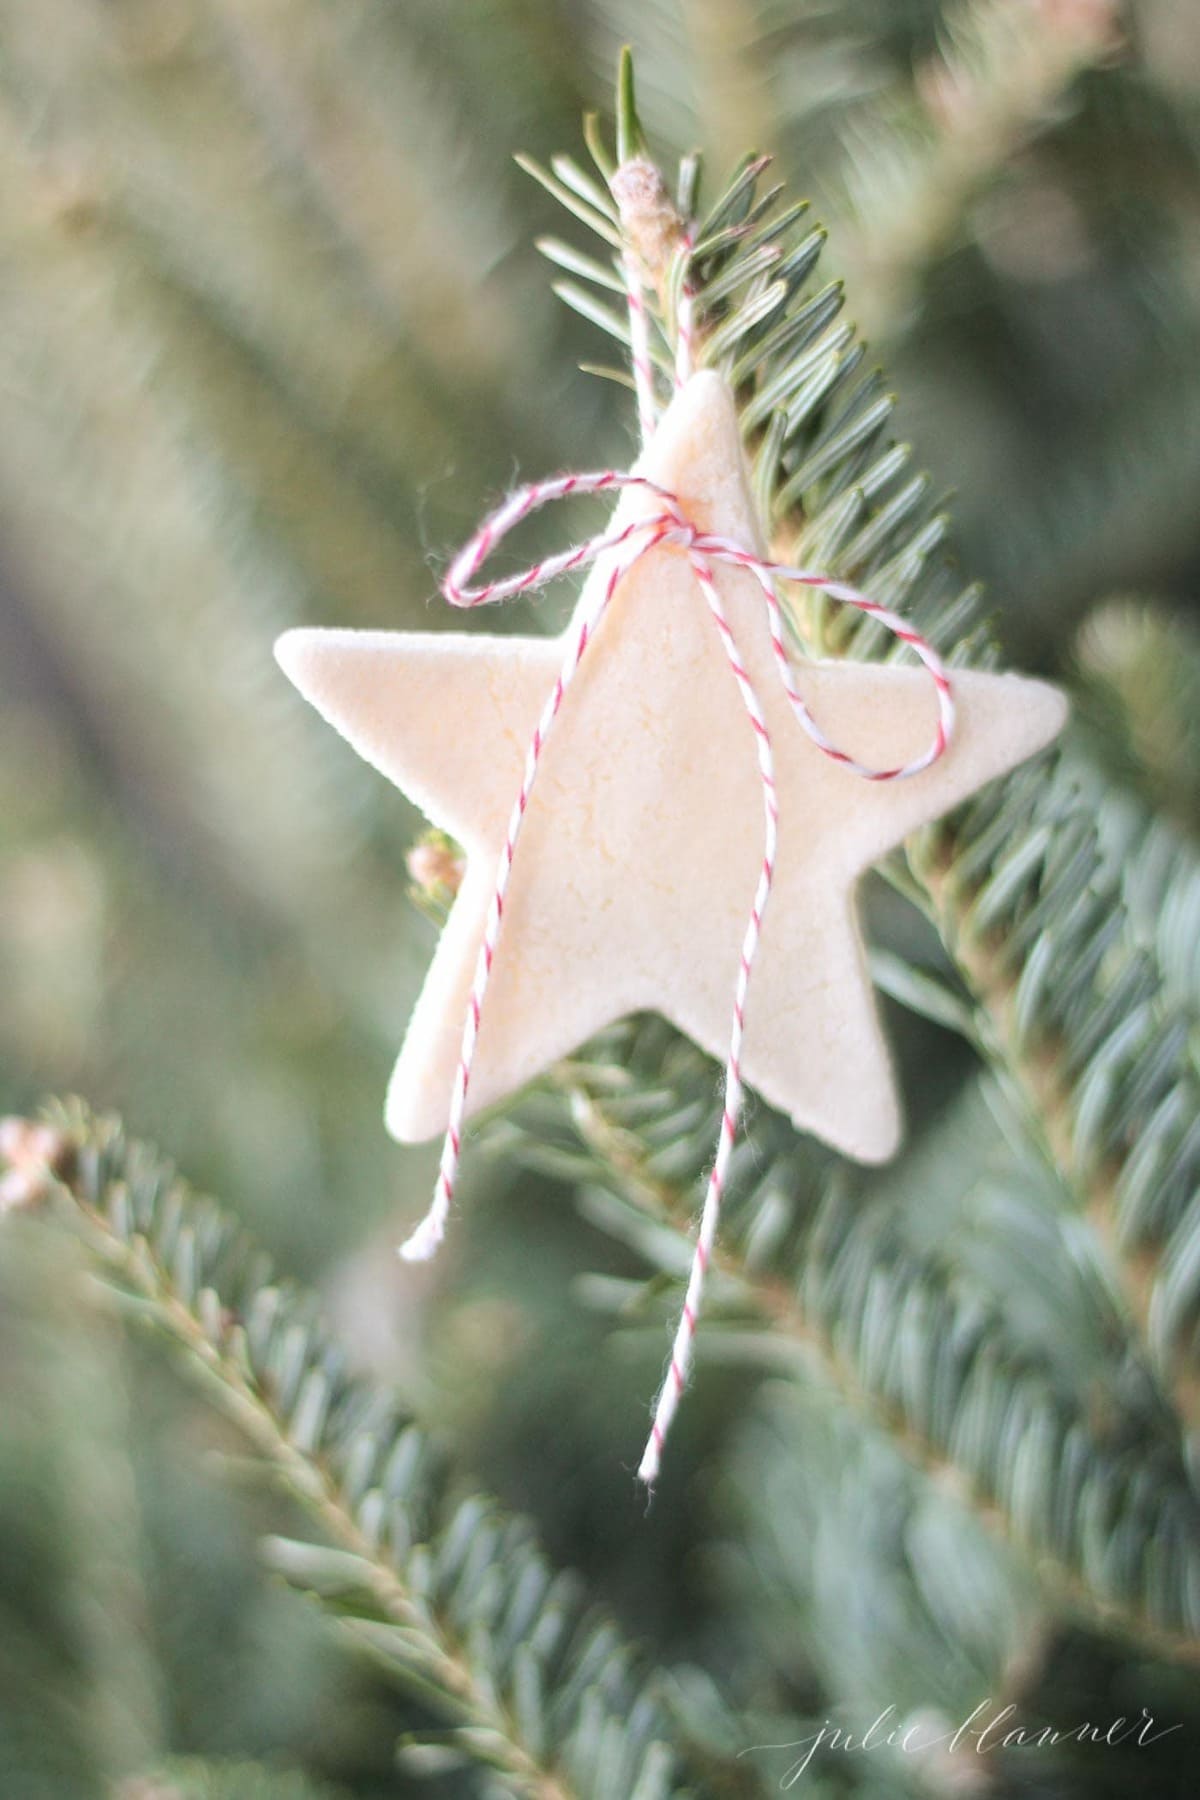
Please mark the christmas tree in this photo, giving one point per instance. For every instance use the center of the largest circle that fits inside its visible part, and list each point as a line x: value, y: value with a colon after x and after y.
x: 288, y: 1518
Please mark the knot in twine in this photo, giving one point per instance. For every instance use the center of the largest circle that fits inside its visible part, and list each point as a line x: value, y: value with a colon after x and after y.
x: 666, y: 524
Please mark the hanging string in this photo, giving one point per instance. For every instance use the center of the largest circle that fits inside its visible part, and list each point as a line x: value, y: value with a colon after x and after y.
x: 667, y: 524
x: 685, y: 315
x: 639, y: 348
x: 641, y: 356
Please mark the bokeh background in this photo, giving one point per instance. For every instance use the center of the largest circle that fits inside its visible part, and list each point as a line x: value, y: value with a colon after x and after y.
x: 273, y: 332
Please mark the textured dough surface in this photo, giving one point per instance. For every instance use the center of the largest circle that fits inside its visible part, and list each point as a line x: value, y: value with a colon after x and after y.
x: 642, y: 843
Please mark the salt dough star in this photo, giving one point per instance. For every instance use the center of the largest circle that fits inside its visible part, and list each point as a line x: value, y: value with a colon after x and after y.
x: 642, y: 843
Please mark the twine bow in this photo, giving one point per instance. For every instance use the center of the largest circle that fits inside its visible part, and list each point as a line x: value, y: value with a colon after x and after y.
x: 666, y: 524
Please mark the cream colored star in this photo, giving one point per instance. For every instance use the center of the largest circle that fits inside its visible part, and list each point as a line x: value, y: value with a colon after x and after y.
x: 642, y: 843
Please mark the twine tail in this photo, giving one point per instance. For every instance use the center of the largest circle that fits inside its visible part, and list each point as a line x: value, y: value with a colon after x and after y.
x: 423, y: 1241
x: 683, y: 1346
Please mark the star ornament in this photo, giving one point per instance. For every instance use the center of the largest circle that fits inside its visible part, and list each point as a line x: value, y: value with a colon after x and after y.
x: 642, y: 842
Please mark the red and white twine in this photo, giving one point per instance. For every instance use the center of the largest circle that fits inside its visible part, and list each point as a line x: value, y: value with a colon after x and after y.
x: 639, y: 348
x: 685, y: 314
x: 667, y: 524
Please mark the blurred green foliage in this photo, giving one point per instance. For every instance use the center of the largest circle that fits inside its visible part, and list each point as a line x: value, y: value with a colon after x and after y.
x: 272, y: 333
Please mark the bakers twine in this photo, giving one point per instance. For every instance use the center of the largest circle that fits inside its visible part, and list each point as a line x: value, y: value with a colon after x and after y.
x: 666, y: 524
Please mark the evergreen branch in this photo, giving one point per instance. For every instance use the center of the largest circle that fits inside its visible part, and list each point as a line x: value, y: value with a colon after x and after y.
x: 81, y: 1703
x: 451, y: 1597
x: 813, y: 1508
x: 1019, y: 886
x: 1047, y: 922
x: 901, y: 1337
